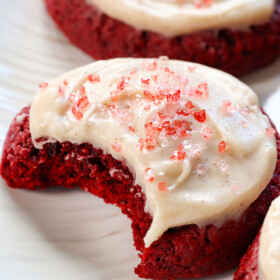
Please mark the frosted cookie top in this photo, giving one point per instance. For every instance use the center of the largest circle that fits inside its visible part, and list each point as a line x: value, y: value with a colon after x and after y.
x: 178, y: 17
x: 269, y: 249
x: 194, y: 137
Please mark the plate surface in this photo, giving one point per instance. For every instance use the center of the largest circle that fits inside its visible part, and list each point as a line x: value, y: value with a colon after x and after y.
x: 61, y: 234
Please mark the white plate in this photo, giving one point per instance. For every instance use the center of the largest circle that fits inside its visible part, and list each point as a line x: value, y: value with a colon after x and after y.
x: 62, y: 234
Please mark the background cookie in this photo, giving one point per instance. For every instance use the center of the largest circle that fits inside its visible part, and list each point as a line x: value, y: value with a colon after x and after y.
x: 102, y: 37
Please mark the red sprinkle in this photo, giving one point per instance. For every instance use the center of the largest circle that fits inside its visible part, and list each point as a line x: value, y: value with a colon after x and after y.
x: 195, y: 92
x: 270, y: 131
x: 83, y: 102
x: 145, y: 81
x: 114, y: 111
x: 43, y: 85
x: 227, y: 106
x: 174, y: 97
x: 198, y: 5
x: 162, y: 187
x: 181, y: 155
x: 182, y: 133
x: 116, y: 146
x: 204, y: 87
x: 222, y: 146
x: 141, y: 144
x: 150, y: 96
x: 178, y: 123
x: 191, y: 68
x: 65, y: 82
x: 133, y: 72
x: 161, y: 115
x: 208, y: 2
x: 150, y: 66
x: 182, y: 112
x: 94, y: 78
x: 131, y: 130
x: 123, y: 83
x: 154, y: 78
x: 77, y: 114
x: 189, y: 105
x: 207, y: 133
x: 150, y: 147
x: 61, y: 90
x: 149, y: 176
x: 160, y: 96
x: 148, y: 125
x: 200, y: 116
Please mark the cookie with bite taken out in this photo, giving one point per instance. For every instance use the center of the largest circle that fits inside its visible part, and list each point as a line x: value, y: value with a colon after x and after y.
x: 172, y: 143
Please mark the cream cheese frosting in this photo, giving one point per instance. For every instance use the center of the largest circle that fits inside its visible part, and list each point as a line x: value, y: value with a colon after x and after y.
x: 269, y: 248
x: 178, y: 17
x: 191, y: 135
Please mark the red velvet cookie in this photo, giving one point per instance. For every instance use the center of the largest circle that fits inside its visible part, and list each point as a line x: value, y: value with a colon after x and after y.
x: 261, y: 261
x: 139, y: 133
x: 248, y: 267
x: 235, y: 51
x: 182, y: 252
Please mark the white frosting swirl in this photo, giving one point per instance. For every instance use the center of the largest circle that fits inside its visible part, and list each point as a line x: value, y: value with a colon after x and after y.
x: 269, y: 249
x: 192, y: 166
x: 178, y: 17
